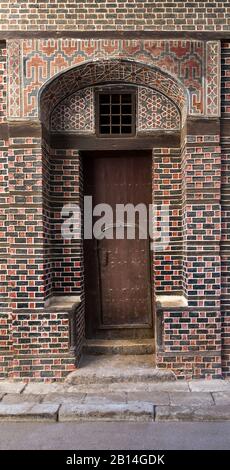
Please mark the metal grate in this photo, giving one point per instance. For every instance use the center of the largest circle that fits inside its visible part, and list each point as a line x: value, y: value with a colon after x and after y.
x: 116, y: 113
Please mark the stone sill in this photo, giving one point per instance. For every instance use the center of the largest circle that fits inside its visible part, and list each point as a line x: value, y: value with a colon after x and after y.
x: 171, y: 301
x: 62, y: 303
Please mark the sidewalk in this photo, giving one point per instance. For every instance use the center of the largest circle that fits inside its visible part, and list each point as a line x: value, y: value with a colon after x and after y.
x: 198, y: 400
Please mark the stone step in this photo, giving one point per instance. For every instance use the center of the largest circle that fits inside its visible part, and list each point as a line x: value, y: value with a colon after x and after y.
x: 118, y: 369
x: 118, y: 346
x: 127, y: 387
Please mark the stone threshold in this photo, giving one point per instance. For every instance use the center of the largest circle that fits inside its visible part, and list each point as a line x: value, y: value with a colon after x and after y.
x: 128, y: 347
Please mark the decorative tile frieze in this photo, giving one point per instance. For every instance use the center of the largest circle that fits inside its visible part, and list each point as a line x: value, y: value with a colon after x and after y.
x: 43, y: 58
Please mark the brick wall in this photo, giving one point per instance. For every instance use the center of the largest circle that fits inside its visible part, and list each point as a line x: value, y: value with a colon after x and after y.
x: 192, y: 335
x: 37, y: 343
x: 67, y: 255
x: 191, y: 343
x: 3, y: 224
x: 6, y: 346
x: 115, y: 15
x: 42, y: 181
x: 41, y: 347
x: 25, y: 226
x: 167, y: 191
x: 46, y: 218
x: 225, y: 207
x: 190, y: 366
x: 201, y: 169
x: 3, y: 180
x: 5, y: 317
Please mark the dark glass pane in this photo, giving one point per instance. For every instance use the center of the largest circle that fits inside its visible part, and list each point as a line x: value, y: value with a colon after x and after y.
x: 105, y: 129
x: 105, y: 119
x: 126, y: 98
x: 116, y: 119
x: 126, y: 120
x: 126, y: 130
x: 115, y: 129
x: 115, y: 99
x: 115, y: 109
x: 104, y: 99
x: 126, y: 109
x: 104, y: 109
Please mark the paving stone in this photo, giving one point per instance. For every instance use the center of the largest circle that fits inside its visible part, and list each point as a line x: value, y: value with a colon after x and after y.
x: 28, y: 412
x: 192, y: 413
x: 63, y: 398
x: 105, y: 398
x: 11, y: 398
x: 108, y: 412
x: 209, y: 385
x: 221, y: 398
x: 43, y: 388
x: 11, y: 387
x: 193, y: 398
x: 157, y: 398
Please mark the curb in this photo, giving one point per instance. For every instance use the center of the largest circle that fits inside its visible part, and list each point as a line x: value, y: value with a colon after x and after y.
x: 132, y: 411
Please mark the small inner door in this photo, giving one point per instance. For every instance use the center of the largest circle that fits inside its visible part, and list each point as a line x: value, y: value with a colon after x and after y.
x: 118, y: 271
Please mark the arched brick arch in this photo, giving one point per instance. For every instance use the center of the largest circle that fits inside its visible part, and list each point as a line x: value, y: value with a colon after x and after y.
x: 104, y: 71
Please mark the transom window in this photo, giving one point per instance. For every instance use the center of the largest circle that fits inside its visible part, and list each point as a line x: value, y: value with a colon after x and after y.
x: 116, y: 113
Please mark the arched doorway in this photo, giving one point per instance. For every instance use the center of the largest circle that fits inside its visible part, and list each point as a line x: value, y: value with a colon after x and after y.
x: 112, y: 153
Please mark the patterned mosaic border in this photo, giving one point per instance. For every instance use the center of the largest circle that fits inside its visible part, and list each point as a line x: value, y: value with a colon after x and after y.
x: 14, y: 79
x: 32, y: 62
x: 75, y: 113
x: 213, y: 54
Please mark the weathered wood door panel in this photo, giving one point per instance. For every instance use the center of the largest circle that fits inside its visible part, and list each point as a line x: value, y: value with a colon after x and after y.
x: 117, y: 271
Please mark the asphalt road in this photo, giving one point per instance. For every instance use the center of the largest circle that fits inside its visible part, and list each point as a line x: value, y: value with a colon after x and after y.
x: 117, y: 436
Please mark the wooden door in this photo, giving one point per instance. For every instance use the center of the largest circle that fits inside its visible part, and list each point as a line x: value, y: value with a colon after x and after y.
x: 117, y: 271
